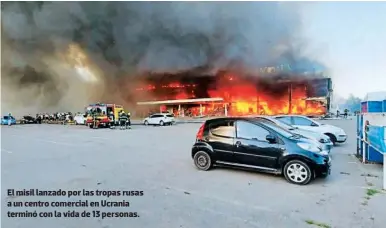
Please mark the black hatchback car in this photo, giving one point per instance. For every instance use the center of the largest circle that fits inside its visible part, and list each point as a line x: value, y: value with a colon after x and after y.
x: 259, y: 145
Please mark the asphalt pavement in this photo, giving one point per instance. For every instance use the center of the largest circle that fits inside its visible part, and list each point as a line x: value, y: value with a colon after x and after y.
x: 157, y: 160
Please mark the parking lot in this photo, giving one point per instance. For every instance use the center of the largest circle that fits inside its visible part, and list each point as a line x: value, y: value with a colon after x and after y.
x: 157, y: 160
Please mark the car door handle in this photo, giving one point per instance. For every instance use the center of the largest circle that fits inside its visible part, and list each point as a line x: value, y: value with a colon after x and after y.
x: 238, y: 143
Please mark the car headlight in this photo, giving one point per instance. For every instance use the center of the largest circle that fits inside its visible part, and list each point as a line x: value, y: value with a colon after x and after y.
x: 341, y: 132
x: 324, y: 153
x: 324, y: 140
x: 310, y: 147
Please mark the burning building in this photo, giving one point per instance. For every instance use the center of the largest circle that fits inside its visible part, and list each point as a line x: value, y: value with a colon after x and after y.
x: 227, y: 93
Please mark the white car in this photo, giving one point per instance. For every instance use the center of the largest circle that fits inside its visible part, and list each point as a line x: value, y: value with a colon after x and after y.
x: 159, y: 119
x: 336, y: 134
x: 80, y: 119
x: 323, y: 139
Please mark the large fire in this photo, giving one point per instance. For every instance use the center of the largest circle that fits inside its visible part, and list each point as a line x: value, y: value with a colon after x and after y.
x: 241, y: 97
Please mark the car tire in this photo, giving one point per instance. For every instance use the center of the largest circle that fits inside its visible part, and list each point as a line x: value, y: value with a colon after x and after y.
x: 161, y: 123
x: 332, y: 138
x: 202, y: 160
x: 76, y: 122
x: 146, y: 122
x: 297, y: 172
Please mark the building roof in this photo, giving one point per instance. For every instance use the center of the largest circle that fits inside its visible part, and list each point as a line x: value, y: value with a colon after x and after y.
x: 375, y: 96
x: 182, y: 101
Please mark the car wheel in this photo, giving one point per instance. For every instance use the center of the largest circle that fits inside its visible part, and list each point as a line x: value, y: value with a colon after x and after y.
x: 332, y: 138
x: 202, y: 160
x: 161, y: 123
x: 297, y: 172
x: 146, y: 123
x: 76, y: 122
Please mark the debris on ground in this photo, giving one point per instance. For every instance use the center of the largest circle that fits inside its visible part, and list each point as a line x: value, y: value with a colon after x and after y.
x: 318, y: 224
x: 369, y: 175
x: 372, y: 192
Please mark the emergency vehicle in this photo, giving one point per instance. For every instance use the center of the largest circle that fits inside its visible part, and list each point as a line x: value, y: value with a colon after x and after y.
x: 102, y: 115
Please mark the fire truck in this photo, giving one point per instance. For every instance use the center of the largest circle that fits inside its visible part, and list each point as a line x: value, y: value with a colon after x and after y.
x: 102, y: 114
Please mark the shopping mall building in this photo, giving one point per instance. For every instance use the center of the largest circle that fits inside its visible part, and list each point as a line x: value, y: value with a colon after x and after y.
x: 228, y: 93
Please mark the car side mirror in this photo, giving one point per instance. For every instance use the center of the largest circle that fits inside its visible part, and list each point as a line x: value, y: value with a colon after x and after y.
x: 271, y: 138
x: 314, y: 124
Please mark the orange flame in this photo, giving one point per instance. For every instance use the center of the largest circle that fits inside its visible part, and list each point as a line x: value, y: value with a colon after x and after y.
x: 244, y: 98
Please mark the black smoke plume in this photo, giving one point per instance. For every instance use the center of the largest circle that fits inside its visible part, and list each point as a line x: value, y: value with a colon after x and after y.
x: 122, y: 39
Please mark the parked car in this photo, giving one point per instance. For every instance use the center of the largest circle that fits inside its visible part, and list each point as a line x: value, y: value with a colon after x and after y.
x: 159, y: 119
x: 4, y: 120
x: 259, y: 145
x: 336, y: 134
x: 323, y: 139
x: 28, y: 120
x: 80, y: 119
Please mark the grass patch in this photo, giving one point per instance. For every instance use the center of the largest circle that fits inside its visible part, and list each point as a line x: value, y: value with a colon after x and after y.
x: 372, y: 192
x: 367, y: 197
x: 318, y: 224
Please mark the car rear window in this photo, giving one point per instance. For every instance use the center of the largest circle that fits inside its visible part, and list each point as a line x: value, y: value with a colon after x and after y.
x: 5, y: 117
x: 223, y: 128
x: 284, y: 119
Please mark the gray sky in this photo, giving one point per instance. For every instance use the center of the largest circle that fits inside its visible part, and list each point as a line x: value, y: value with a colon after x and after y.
x: 350, y: 37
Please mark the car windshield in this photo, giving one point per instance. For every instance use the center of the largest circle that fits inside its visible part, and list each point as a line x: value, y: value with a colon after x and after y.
x: 5, y: 117
x: 281, y: 130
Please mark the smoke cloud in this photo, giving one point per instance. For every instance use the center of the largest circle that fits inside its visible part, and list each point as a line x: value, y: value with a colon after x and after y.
x: 63, y: 55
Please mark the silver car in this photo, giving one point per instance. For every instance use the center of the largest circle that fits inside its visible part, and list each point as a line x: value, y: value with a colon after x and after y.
x: 322, y: 139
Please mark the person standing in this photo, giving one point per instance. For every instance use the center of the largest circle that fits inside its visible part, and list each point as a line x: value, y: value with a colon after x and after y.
x: 128, y: 120
x: 345, y: 113
x: 94, y: 118
x: 9, y: 119
x: 122, y: 120
x: 112, y: 119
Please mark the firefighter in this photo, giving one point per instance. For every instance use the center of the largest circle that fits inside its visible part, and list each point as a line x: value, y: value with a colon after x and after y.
x: 94, y: 118
x: 122, y: 120
x: 112, y: 120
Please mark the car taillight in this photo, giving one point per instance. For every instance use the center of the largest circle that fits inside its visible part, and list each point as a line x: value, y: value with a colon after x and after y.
x: 200, y: 133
